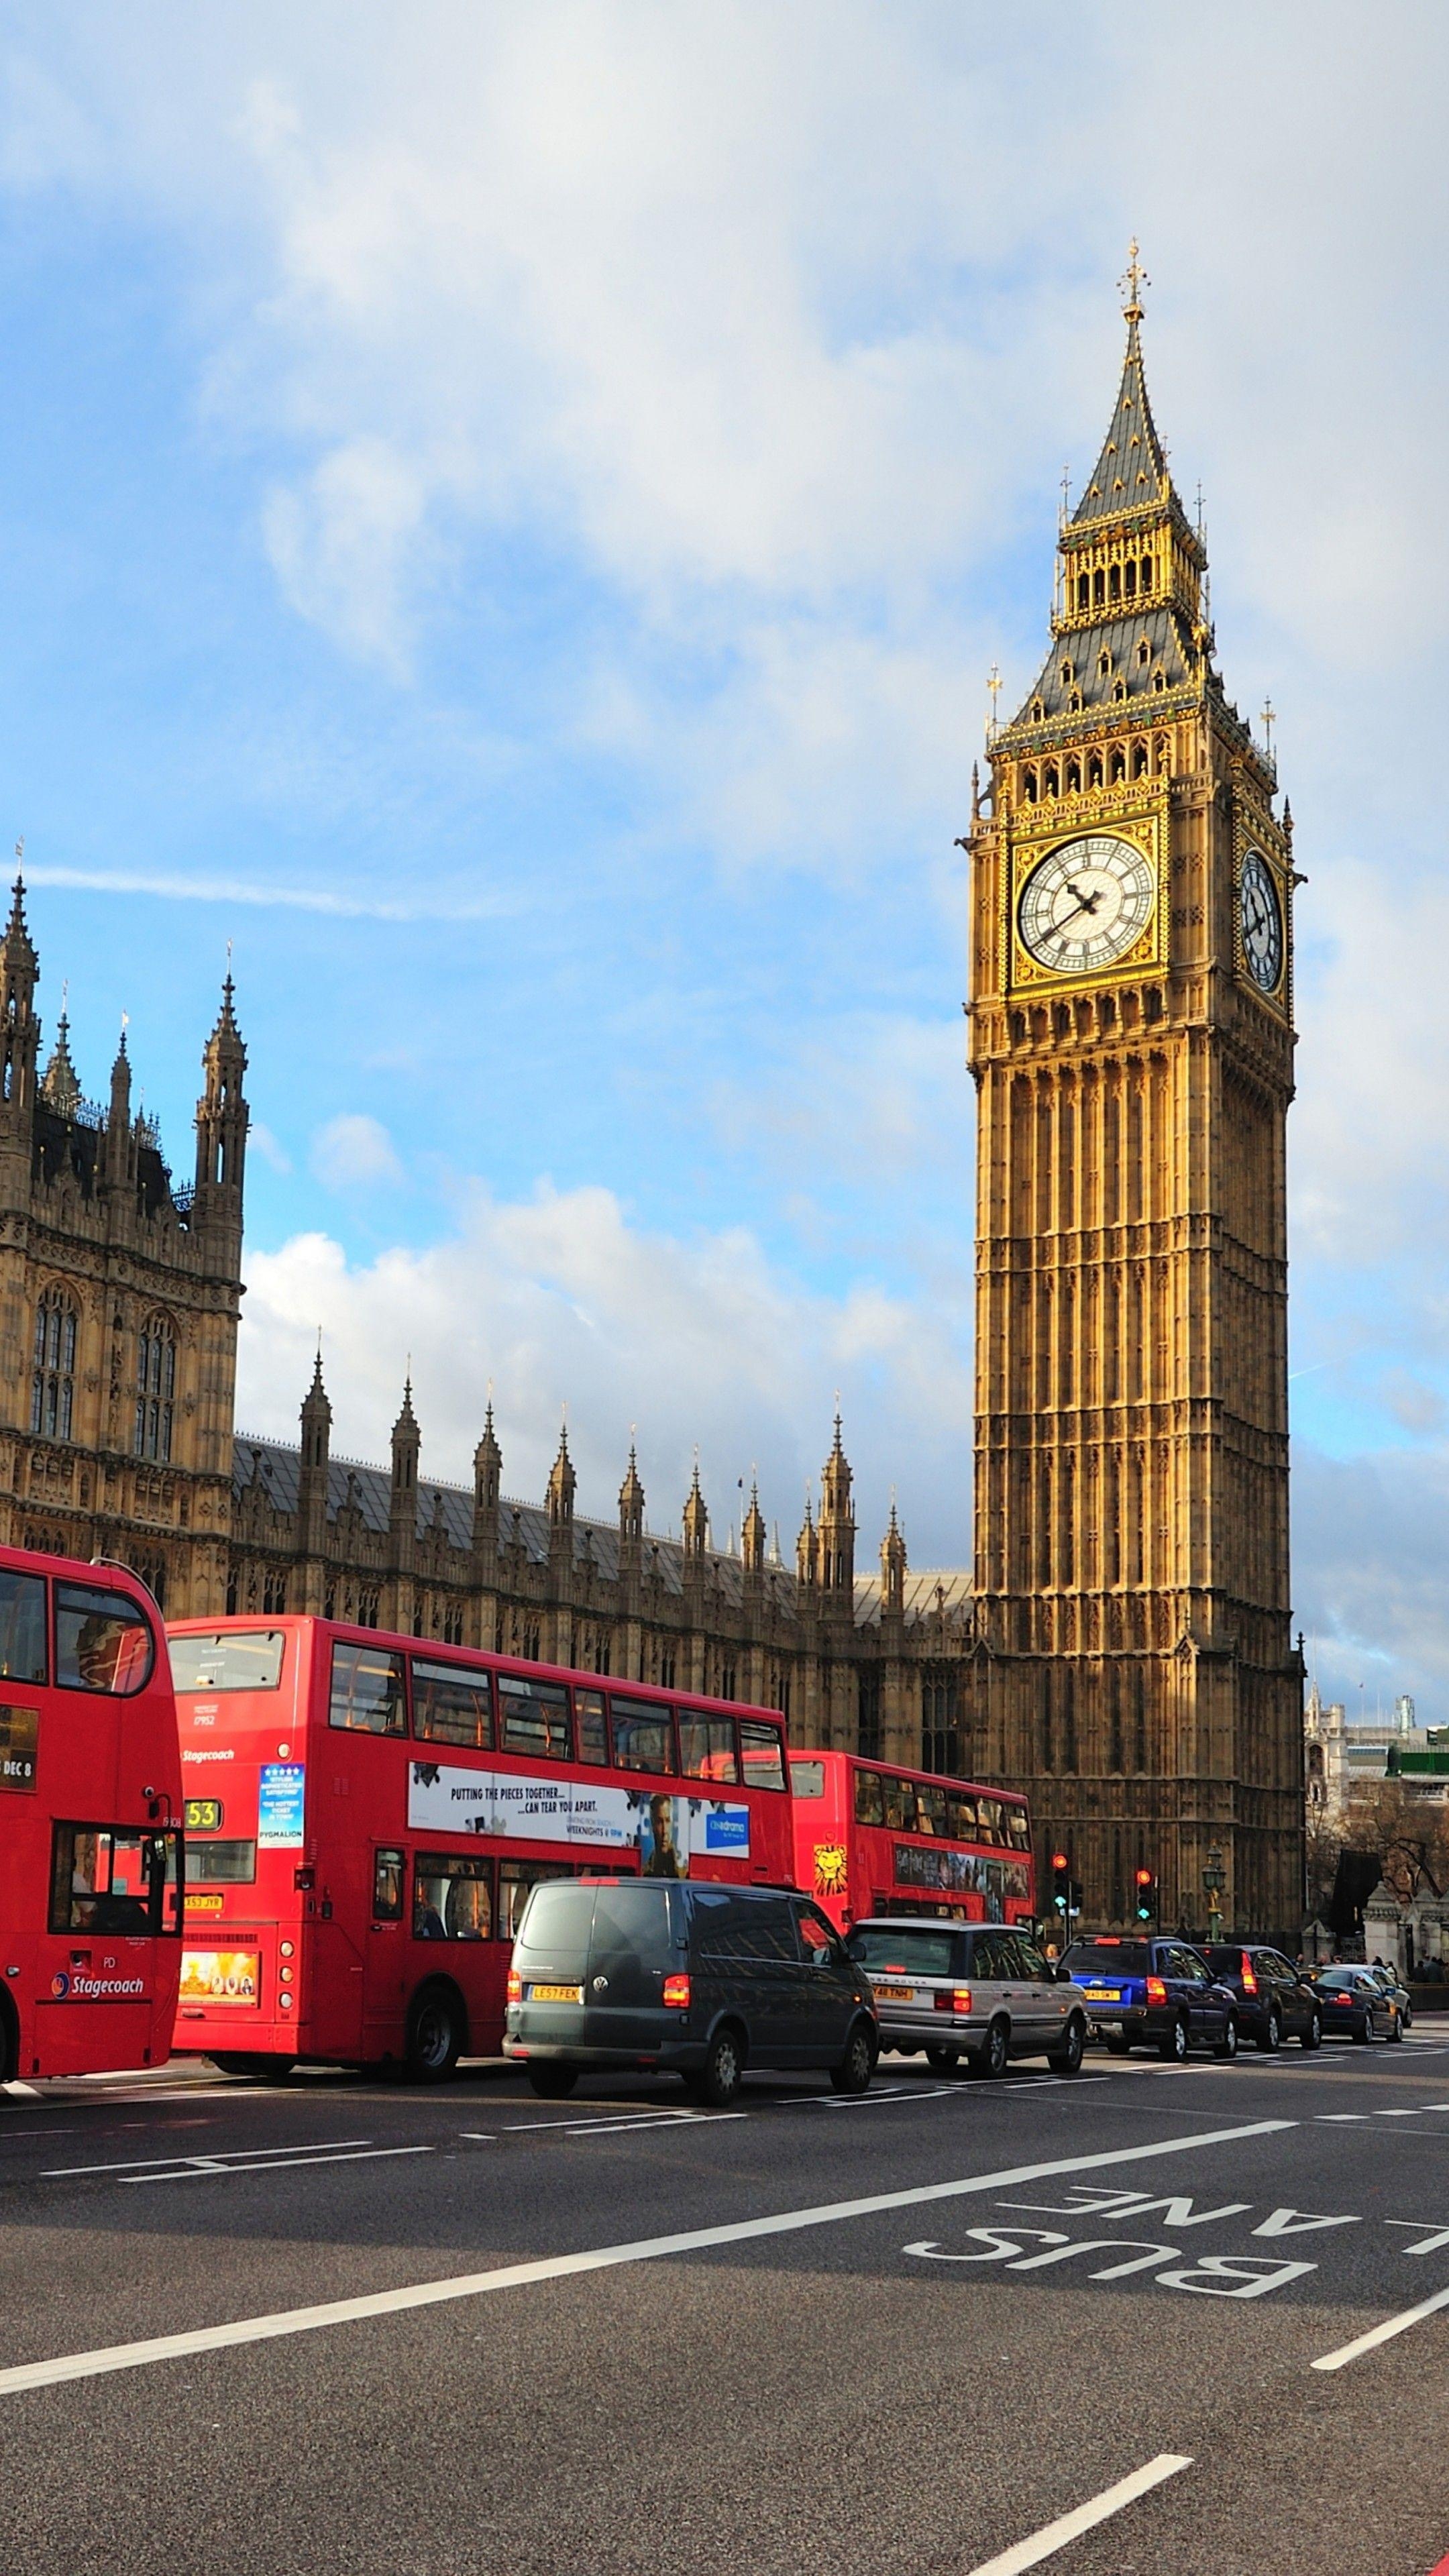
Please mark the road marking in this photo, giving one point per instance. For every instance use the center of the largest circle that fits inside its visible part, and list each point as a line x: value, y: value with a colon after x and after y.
x: 1381, y: 2334
x: 870, y: 2101
x: 201, y: 2169
x: 1083, y: 2517
x: 636, y: 2118
x: 1336, y: 2119
x: 600, y: 2258
x: 133, y: 2164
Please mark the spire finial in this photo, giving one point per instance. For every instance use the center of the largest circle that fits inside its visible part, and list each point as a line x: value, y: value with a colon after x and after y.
x: 1131, y: 283
x: 1268, y: 720
x: 993, y: 683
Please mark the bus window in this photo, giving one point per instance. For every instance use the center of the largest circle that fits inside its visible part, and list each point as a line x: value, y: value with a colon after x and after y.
x: 707, y: 1748
x: 989, y: 1812
x: 964, y: 1822
x: 515, y: 1878
x: 643, y: 1736
x: 249, y: 1661
x: 869, y: 1805
x: 593, y: 1733
x: 900, y: 1803
x: 451, y: 1705
x: 807, y: 1779
x: 367, y: 1690
x: 1018, y: 1828
x: 102, y: 1641
x: 762, y: 1754
x: 534, y: 1717
x: 111, y: 1878
x: 229, y: 1864
x: 22, y: 1628
x: 452, y: 1897
x: 930, y: 1807
x: 387, y: 1887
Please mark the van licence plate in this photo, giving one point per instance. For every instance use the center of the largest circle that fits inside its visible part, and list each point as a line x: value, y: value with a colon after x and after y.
x: 895, y: 1994
x: 555, y: 1994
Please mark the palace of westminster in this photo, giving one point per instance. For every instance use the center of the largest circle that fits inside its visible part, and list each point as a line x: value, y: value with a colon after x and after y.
x: 1121, y: 1649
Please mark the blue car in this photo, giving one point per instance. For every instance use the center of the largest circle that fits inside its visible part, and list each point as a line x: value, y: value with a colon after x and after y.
x: 1150, y: 1989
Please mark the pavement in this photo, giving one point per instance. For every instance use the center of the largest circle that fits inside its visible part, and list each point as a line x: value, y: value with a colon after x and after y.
x: 1151, y: 2319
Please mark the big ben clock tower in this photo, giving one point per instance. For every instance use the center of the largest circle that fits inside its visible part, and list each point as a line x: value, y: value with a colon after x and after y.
x: 1131, y: 1040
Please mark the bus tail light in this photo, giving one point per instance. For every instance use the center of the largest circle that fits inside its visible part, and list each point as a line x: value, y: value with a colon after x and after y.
x: 1156, y: 1991
x: 1250, y: 1982
x: 676, y: 1991
x: 515, y: 1987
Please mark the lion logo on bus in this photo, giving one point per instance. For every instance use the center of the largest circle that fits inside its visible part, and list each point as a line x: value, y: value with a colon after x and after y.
x: 832, y: 1869
x: 60, y: 1985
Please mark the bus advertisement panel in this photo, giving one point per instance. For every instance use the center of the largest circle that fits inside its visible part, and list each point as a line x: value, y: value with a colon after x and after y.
x: 366, y: 1814
x: 90, y: 1822
x: 873, y: 1839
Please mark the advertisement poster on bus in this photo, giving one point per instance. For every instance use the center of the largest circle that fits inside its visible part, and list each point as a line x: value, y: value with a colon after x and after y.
x: 665, y: 1830
x: 220, y: 1977
x: 19, y: 1728
x: 280, y: 1800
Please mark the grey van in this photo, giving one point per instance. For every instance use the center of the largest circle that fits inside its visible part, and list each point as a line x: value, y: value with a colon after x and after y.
x: 690, y: 1977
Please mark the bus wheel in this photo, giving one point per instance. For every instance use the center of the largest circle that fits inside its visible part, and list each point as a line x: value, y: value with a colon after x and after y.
x: 9, y: 2042
x: 261, y: 2069
x: 435, y: 2036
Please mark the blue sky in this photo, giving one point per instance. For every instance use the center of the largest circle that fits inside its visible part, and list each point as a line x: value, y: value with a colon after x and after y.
x: 506, y: 517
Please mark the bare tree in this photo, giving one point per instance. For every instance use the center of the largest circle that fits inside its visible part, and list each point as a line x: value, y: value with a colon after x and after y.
x: 1409, y: 1834
x: 1322, y: 1843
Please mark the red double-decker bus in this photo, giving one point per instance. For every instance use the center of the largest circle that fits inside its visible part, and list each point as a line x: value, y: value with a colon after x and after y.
x: 366, y: 1814
x: 873, y: 1839
x: 90, y: 1821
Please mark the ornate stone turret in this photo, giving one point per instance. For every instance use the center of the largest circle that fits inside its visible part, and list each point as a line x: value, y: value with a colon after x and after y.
x: 312, y: 1474
x: 807, y: 1549
x: 19, y: 1027
x: 893, y: 1568
x: 562, y: 1483
x: 752, y: 1534
x: 402, y: 1501
x: 695, y: 1524
x: 631, y: 1506
x: 221, y: 1137
x: 837, y: 1526
x: 60, y: 1085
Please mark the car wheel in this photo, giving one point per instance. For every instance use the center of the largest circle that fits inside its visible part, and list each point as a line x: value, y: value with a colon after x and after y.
x: 1173, y: 2043
x: 435, y: 2037
x: 989, y: 2060
x: 550, y: 2079
x: 857, y: 2066
x: 718, y: 2080
x: 1117, y: 2046
x: 1313, y: 2035
x: 943, y: 2061
x: 1408, y: 2016
x: 1365, y: 2031
x: 1227, y: 2046
x: 1396, y: 2026
x: 1067, y: 2060
x: 1270, y: 2037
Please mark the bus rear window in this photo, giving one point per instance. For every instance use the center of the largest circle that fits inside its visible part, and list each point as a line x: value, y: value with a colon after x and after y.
x: 807, y: 1779
x: 223, y: 1864
x: 762, y: 1754
x: 230, y: 1660
x: 367, y: 1690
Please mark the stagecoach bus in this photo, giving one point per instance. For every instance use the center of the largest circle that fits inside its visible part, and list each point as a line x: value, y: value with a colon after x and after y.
x: 871, y: 1838
x: 367, y: 1813
x: 90, y: 1821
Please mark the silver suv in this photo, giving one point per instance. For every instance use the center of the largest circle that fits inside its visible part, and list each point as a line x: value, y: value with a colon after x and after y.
x: 978, y: 1992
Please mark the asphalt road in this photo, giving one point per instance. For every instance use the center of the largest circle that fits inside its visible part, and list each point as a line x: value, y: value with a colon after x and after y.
x: 610, y: 2334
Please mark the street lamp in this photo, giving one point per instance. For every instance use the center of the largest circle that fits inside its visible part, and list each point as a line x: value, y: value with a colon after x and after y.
x: 1214, y: 1880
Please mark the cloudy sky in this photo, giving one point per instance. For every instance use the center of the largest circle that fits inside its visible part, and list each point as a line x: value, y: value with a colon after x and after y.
x: 505, y: 515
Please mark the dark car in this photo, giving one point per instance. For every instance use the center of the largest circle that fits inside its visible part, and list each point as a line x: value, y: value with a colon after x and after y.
x: 1151, y: 1988
x: 692, y: 1978
x: 1275, y: 2000
x: 1392, y: 1986
x: 1356, y: 2004
x: 978, y: 1993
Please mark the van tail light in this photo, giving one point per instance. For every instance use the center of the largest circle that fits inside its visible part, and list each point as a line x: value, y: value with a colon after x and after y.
x: 1156, y: 1991
x: 515, y: 1987
x: 676, y: 1991
x: 1250, y: 1982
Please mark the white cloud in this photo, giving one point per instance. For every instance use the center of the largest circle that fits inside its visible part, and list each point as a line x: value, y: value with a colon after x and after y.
x: 560, y: 1299
x: 354, y: 1152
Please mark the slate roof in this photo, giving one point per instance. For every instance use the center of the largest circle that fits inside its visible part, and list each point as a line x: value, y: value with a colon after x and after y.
x: 1131, y: 472
x: 1163, y: 629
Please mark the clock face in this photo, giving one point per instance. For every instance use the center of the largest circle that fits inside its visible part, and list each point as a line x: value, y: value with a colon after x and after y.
x: 1260, y: 920
x: 1086, y: 904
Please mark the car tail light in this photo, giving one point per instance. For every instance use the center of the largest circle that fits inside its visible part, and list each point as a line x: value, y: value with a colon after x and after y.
x: 952, y: 1999
x: 676, y: 1991
x: 1156, y: 1991
x: 1250, y: 1982
x: 515, y: 1987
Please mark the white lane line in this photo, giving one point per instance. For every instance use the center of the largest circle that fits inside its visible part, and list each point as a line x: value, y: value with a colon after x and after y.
x: 618, y: 2111
x: 1336, y: 2119
x: 869, y: 2101
x: 134, y: 2164
x: 1084, y: 2517
x: 199, y: 2171
x: 1381, y: 2334
x: 599, y: 2258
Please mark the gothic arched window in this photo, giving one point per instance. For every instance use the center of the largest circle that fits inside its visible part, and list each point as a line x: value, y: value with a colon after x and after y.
x: 52, y: 1385
x: 155, y: 1388
x: 1147, y: 572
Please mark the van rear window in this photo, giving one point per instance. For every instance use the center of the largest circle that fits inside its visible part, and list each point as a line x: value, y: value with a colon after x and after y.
x: 558, y: 1920
x: 230, y: 1660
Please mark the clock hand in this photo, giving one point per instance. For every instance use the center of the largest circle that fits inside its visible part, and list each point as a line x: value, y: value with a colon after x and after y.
x: 1084, y: 903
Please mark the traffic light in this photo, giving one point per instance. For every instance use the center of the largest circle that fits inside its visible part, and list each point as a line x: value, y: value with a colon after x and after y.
x: 1061, y: 1884
x: 1146, y: 1895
